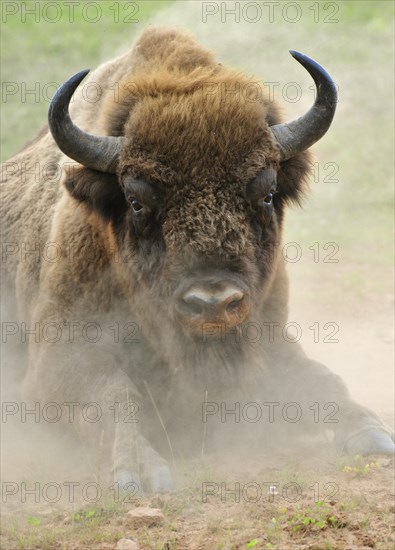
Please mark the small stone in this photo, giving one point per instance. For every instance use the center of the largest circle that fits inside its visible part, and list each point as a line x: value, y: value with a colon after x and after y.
x: 67, y: 520
x: 127, y: 544
x: 147, y: 517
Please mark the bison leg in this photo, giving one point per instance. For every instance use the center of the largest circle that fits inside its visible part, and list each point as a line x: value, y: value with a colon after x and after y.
x: 152, y: 473
x: 87, y: 373
x: 357, y: 429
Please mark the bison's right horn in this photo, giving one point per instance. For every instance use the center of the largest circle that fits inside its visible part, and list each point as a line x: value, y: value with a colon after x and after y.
x: 97, y: 152
x: 300, y: 134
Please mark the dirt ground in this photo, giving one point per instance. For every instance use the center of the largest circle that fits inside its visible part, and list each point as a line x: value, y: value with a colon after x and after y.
x: 325, y: 503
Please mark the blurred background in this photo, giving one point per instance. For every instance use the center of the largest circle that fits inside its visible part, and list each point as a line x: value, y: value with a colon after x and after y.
x: 340, y: 262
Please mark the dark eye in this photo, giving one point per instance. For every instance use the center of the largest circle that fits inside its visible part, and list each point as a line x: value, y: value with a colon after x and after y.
x: 268, y: 199
x: 136, y: 205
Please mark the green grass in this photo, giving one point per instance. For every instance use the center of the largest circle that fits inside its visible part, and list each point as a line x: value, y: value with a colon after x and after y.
x: 376, y: 14
x: 37, y: 53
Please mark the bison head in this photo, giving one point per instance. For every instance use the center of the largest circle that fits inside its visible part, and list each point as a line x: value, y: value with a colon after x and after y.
x: 192, y: 181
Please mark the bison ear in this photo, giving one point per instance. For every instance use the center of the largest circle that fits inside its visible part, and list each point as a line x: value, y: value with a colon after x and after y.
x: 292, y: 177
x: 98, y: 191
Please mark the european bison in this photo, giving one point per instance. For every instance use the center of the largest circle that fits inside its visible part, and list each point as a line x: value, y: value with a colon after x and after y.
x: 166, y: 227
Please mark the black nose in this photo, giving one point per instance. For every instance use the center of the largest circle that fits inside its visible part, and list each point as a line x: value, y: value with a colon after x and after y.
x: 223, y: 303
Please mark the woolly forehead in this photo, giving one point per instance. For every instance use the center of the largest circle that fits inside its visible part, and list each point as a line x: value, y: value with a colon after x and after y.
x: 213, y: 132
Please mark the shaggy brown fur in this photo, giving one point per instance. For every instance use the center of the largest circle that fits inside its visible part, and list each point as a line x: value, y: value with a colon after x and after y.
x: 207, y: 155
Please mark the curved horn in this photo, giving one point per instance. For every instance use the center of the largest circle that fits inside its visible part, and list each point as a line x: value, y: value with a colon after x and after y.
x: 300, y: 134
x: 98, y: 152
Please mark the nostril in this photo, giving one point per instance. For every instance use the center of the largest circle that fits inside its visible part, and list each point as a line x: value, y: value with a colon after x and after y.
x: 234, y: 305
x: 193, y: 306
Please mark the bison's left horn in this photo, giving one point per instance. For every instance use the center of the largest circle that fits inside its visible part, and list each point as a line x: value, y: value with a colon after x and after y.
x: 97, y: 152
x: 300, y: 134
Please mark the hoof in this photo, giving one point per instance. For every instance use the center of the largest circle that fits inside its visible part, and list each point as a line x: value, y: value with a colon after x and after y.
x: 129, y: 483
x: 370, y: 442
x: 161, y: 480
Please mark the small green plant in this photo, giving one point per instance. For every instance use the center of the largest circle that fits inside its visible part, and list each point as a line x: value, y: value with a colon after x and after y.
x: 252, y: 543
x: 82, y: 515
x: 358, y: 466
x: 35, y: 522
x: 314, y: 518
